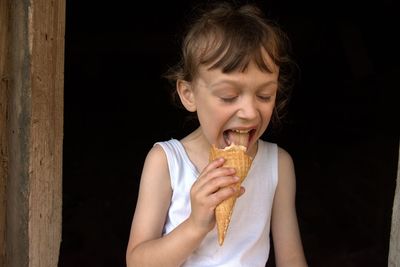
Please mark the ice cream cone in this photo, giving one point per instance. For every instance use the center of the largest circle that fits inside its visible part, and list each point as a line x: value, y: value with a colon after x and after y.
x: 235, y: 156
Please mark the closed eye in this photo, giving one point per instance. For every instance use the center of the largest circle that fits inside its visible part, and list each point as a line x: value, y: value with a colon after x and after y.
x: 265, y: 98
x: 228, y: 99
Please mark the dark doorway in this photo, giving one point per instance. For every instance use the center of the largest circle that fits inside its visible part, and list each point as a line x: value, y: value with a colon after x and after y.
x: 342, y: 129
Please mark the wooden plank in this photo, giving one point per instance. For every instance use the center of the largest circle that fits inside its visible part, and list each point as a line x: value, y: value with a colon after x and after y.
x: 4, y: 16
x: 35, y: 121
x: 18, y: 130
x: 394, y: 248
x: 46, y: 132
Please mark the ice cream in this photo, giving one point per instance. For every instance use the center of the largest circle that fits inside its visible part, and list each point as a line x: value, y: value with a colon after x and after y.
x: 235, y: 156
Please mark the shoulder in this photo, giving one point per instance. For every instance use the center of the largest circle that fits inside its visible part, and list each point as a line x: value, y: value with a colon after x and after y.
x: 286, y: 172
x: 284, y: 158
x: 156, y: 152
x: 160, y: 149
x: 155, y: 177
x: 155, y: 161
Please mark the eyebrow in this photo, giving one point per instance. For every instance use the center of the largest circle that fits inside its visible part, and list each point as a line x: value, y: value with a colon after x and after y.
x: 233, y: 82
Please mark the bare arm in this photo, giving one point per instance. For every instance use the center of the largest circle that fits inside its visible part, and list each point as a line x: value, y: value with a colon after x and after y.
x: 147, y: 246
x: 285, y: 230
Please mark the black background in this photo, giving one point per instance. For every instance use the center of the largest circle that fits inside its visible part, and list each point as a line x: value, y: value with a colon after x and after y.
x: 342, y: 129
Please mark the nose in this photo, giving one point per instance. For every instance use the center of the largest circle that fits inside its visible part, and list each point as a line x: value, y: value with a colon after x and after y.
x: 247, y: 109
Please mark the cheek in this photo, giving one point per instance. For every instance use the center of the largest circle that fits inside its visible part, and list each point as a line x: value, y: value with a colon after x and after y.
x: 213, y: 114
x: 212, y: 121
x: 266, y: 113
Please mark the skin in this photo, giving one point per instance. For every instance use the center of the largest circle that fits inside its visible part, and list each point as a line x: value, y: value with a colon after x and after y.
x: 223, y: 102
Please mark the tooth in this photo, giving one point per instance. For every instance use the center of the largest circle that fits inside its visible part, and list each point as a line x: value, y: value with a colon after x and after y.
x: 242, y: 131
x: 239, y: 137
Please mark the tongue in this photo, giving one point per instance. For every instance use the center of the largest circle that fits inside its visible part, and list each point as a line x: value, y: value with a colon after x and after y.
x: 238, y: 138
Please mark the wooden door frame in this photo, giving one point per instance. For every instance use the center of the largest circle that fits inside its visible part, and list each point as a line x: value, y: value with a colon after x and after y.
x: 31, y: 121
x: 31, y: 135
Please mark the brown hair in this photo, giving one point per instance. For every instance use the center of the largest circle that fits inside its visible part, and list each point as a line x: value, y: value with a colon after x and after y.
x: 228, y: 37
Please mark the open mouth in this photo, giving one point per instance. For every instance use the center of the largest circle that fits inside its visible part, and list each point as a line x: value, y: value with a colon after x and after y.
x: 238, y: 137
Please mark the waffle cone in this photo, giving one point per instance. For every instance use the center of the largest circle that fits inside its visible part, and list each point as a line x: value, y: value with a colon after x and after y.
x: 235, y: 157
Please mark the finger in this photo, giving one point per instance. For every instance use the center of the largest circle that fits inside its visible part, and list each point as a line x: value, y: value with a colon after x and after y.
x: 202, y: 192
x: 218, y: 162
x: 220, y: 182
x: 205, y: 177
x: 223, y: 194
x: 242, y: 190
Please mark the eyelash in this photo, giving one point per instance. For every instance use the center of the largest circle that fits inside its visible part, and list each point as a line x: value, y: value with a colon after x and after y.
x: 232, y: 99
x: 265, y: 98
x: 228, y: 99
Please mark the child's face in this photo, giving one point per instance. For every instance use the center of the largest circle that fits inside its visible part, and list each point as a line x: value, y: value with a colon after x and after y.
x: 235, y: 107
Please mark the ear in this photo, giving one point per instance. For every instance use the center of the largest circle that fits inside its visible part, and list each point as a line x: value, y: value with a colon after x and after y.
x: 186, y: 95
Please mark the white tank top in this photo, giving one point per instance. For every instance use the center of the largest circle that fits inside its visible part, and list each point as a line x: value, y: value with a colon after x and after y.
x: 247, y: 241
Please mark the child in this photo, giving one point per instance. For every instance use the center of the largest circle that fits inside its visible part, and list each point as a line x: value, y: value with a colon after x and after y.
x: 232, y: 75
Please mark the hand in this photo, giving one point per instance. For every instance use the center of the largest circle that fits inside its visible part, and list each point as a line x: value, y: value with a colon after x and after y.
x: 214, y: 184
